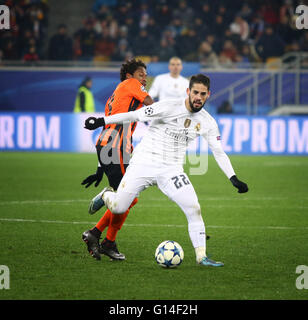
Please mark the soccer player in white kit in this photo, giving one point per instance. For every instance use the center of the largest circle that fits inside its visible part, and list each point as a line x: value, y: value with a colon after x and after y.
x: 170, y: 85
x: 158, y: 158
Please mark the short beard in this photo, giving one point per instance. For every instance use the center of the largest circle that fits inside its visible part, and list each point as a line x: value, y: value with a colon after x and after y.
x: 193, y: 109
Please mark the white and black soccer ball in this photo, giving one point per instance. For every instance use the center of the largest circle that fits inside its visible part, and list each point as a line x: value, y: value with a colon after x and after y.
x: 169, y: 254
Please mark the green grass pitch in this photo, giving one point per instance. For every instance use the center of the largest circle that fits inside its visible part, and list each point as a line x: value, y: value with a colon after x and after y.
x: 261, y: 236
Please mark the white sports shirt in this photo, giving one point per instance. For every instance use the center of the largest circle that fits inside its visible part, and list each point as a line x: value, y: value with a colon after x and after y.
x: 172, y: 127
x: 166, y: 87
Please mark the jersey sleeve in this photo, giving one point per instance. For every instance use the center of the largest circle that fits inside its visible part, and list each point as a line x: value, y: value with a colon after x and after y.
x: 137, y: 89
x: 154, y: 111
x: 213, y: 138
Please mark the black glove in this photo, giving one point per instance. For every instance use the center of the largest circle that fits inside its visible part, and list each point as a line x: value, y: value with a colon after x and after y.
x: 241, y: 186
x: 93, y: 123
x: 98, y: 176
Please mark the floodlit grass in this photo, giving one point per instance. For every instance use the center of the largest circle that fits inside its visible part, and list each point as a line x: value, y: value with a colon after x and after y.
x: 261, y: 236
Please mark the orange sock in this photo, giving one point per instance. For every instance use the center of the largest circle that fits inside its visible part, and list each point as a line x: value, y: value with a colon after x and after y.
x: 116, y: 222
x: 104, y: 221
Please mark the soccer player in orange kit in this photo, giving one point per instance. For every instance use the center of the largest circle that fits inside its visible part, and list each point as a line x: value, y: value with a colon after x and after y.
x: 113, y: 150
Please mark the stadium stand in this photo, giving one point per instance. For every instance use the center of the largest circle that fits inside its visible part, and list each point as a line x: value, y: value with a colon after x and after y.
x: 27, y: 36
x: 224, y: 33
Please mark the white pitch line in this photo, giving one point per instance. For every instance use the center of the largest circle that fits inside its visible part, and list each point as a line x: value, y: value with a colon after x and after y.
x: 23, y: 202
x: 89, y: 222
x: 241, y: 204
x: 145, y: 225
x: 72, y: 201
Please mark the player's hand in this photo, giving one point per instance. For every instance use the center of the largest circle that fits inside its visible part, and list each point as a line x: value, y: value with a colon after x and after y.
x: 241, y: 186
x: 97, y: 178
x: 93, y: 123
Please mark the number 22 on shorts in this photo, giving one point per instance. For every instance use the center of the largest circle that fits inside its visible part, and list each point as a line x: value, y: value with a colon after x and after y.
x: 180, y: 181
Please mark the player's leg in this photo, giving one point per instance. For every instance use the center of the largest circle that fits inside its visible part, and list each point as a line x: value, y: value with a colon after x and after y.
x: 132, y: 183
x: 114, y: 223
x: 119, y: 203
x: 91, y: 237
x: 117, y: 221
x: 108, y: 246
x: 179, y: 189
x: 115, y: 175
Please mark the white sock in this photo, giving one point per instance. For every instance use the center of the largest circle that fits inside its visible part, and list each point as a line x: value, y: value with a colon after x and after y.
x: 198, y: 239
x: 200, y: 253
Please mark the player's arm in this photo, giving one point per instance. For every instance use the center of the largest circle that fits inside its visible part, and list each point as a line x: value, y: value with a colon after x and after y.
x: 93, y: 123
x: 155, y: 111
x: 148, y: 100
x: 224, y: 162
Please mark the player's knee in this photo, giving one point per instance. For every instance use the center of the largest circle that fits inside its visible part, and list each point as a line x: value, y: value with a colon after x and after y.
x: 195, y: 208
x: 118, y: 208
x: 197, y: 212
x: 193, y: 212
x: 115, y: 203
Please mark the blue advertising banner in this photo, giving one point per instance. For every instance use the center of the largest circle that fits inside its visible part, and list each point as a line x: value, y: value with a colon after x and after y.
x: 37, y: 132
x: 264, y: 135
x: 64, y: 132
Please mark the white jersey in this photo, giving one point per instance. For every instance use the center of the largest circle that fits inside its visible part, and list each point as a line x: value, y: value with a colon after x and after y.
x: 172, y: 128
x: 166, y: 87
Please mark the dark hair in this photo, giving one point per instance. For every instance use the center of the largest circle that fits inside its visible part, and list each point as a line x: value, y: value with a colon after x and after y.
x: 199, y: 78
x: 84, y: 81
x: 130, y: 66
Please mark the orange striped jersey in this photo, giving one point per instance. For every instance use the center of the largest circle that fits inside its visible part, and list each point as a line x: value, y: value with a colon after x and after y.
x: 128, y: 96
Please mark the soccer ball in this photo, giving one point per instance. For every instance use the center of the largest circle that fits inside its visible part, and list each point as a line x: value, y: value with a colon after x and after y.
x: 169, y: 254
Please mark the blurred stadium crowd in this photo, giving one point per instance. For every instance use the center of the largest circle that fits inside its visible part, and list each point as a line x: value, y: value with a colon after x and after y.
x: 211, y: 32
x: 29, y: 23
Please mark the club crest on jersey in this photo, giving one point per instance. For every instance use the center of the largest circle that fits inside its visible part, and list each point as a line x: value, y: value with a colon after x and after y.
x: 187, y: 123
x: 198, y: 127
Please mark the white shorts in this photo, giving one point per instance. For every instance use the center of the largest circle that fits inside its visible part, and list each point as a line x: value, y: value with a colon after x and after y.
x: 171, y: 180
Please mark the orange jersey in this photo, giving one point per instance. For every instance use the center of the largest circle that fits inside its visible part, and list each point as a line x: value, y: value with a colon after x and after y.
x: 128, y: 96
